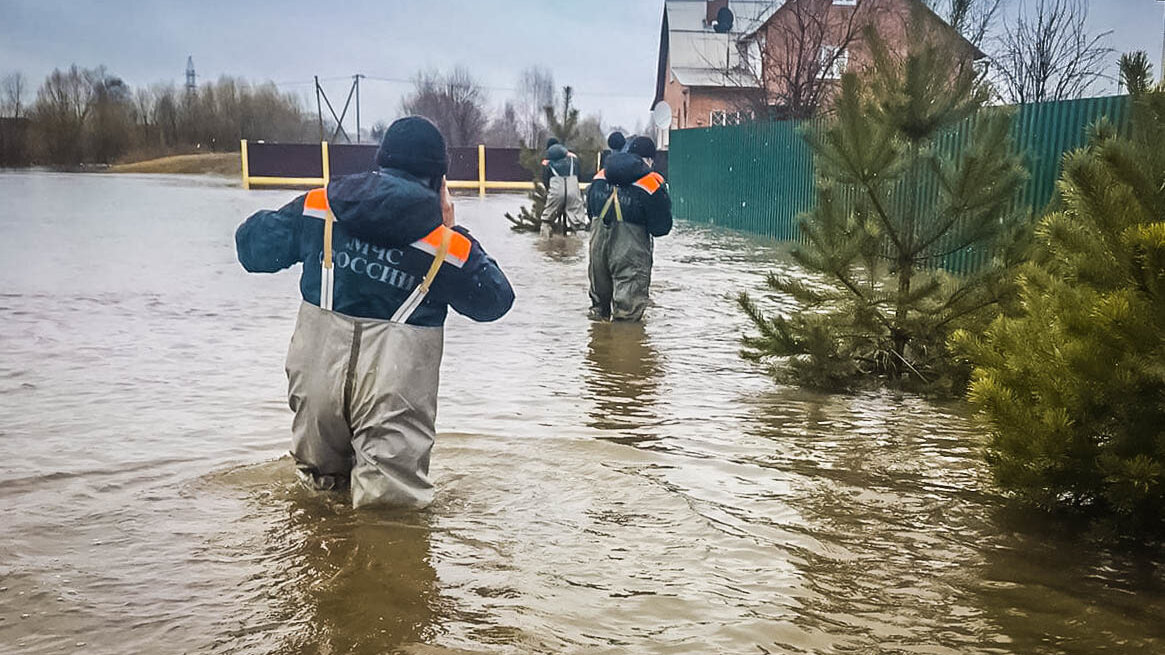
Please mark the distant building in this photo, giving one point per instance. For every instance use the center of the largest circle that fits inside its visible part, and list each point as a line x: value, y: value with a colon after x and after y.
x: 778, y: 58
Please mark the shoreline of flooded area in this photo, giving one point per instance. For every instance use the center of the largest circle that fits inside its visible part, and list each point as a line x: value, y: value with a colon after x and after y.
x: 600, y: 488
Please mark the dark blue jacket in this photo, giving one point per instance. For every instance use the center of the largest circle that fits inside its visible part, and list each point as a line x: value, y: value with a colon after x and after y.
x: 379, y: 215
x: 561, y: 161
x: 642, y: 193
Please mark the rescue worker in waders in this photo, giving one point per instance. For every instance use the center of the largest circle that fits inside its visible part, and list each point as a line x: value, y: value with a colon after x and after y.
x: 382, y: 263
x: 564, y: 209
x: 629, y: 206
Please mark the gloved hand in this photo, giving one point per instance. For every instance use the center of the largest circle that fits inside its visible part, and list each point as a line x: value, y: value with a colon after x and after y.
x: 447, y: 217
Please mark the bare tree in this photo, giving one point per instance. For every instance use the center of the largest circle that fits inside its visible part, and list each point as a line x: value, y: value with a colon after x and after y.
x: 109, y: 128
x: 503, y: 131
x: 377, y: 131
x: 535, y: 91
x: 788, y: 70
x: 1047, y: 53
x: 63, y: 105
x: 974, y: 19
x: 13, y: 89
x: 455, y: 102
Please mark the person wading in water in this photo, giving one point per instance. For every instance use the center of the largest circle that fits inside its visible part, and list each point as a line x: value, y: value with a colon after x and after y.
x: 382, y: 263
x: 564, y: 209
x: 629, y: 206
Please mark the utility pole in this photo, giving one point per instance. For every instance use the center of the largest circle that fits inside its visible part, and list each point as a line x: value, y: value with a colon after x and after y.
x: 319, y: 108
x: 356, y: 82
x: 1161, y: 71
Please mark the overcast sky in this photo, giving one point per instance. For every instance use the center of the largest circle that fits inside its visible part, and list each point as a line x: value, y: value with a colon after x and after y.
x: 606, y: 49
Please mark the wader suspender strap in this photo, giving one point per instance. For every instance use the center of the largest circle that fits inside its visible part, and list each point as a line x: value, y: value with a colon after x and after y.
x: 614, y: 199
x: 554, y: 172
x: 327, y: 279
x: 405, y: 311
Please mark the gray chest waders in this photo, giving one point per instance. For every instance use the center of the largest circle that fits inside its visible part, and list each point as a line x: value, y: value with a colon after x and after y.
x: 364, y: 391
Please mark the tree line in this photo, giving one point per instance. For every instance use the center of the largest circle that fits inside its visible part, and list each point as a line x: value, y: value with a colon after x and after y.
x: 91, y: 116
x: 458, y: 103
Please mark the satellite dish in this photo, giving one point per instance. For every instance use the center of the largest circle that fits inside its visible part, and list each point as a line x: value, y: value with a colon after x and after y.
x: 723, y: 22
x: 661, y: 115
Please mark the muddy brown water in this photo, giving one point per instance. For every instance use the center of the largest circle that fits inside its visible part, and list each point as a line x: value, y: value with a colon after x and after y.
x: 601, y: 489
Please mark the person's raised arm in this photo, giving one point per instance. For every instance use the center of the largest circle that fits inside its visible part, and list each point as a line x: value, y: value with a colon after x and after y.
x: 268, y: 241
x: 478, y: 290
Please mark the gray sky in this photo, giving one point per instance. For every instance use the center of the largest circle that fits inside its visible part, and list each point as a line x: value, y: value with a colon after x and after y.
x: 606, y: 49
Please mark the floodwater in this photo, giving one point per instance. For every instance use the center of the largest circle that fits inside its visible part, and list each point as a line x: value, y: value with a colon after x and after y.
x: 601, y: 488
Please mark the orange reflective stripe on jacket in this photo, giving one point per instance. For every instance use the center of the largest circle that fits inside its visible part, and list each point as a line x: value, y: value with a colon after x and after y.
x: 650, y: 182
x: 459, y: 246
x: 316, y: 203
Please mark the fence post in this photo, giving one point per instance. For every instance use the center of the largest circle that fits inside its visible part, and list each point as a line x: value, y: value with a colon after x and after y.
x: 481, y: 170
x: 246, y: 170
x: 327, y: 164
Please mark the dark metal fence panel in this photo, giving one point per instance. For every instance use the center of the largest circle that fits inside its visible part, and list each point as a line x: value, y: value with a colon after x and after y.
x: 304, y: 160
x: 14, y: 141
x: 349, y: 158
x: 463, y: 163
x: 760, y: 177
x: 504, y: 165
x: 284, y: 160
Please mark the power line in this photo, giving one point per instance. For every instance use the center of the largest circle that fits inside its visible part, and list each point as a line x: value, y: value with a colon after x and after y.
x: 507, y: 89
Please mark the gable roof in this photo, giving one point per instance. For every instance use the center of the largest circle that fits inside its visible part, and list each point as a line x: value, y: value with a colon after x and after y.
x: 699, y: 56
x: 918, y: 5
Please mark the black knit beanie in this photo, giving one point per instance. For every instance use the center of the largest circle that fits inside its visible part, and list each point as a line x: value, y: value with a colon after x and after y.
x: 616, y: 141
x: 414, y: 145
x: 642, y: 146
x: 551, y: 142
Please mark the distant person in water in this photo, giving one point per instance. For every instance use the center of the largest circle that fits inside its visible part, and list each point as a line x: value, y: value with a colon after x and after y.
x: 629, y: 206
x: 382, y: 263
x: 564, y: 210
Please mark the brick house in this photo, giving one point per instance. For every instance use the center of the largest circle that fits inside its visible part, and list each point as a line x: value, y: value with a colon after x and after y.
x: 778, y: 57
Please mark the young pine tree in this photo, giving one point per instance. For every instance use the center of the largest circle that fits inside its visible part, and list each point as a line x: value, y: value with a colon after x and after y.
x: 1073, y: 386
x: 563, y: 127
x: 892, y: 203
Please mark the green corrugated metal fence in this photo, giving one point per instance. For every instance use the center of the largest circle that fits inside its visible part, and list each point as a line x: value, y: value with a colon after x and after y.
x: 759, y: 177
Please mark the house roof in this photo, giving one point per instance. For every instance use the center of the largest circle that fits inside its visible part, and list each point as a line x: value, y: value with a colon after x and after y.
x: 775, y: 7
x: 690, y: 14
x: 699, y: 56
x: 734, y: 78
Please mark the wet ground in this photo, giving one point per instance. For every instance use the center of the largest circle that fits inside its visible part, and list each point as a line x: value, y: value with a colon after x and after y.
x: 601, y: 488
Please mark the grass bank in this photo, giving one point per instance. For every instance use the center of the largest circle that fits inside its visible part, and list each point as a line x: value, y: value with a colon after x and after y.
x: 225, y: 163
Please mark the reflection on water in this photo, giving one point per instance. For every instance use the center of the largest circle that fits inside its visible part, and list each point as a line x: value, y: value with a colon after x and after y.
x: 366, y: 582
x: 623, y: 374
x: 559, y: 248
x: 602, y: 488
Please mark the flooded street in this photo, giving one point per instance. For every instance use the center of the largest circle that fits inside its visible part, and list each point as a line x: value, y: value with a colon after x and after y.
x: 600, y: 488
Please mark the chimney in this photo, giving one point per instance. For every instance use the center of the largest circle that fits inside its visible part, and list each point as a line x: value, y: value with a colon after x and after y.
x: 714, y: 6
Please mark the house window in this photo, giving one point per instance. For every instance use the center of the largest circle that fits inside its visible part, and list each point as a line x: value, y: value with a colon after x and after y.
x: 722, y: 117
x: 834, y: 61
